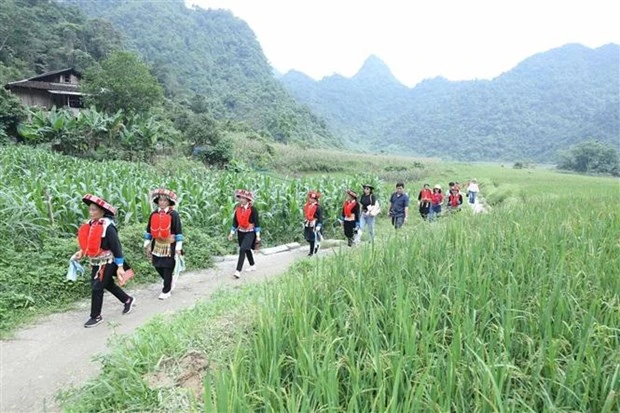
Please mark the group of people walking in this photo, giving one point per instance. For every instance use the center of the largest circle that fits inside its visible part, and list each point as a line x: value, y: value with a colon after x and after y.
x: 163, y: 246
x: 163, y: 239
x: 430, y: 202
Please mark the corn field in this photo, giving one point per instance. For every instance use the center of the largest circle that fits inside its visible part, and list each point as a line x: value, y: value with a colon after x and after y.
x: 41, y: 192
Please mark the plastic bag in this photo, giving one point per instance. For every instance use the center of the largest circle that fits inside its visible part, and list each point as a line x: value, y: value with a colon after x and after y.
x: 74, y: 271
x: 179, y: 265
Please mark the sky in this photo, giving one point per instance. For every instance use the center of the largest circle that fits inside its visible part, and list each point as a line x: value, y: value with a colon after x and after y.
x: 456, y: 39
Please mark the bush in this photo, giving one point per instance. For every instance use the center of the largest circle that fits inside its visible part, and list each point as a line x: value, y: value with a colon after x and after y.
x: 591, y: 157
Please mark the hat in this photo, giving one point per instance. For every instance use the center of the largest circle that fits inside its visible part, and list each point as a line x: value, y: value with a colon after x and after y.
x: 351, y: 193
x: 437, y: 187
x: 314, y: 194
x: 243, y: 193
x: 100, y: 202
x: 368, y: 186
x: 159, y: 192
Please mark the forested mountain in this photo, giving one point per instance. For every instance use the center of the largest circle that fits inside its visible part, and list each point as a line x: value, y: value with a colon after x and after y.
x: 213, y: 60
x: 37, y: 36
x: 354, y: 107
x: 546, y: 103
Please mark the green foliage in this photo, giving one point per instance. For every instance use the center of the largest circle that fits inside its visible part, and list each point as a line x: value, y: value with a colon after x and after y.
x: 11, y: 113
x: 122, y: 82
x: 591, y: 157
x: 212, y: 59
x: 95, y: 135
x: 207, y: 142
x: 429, y: 322
x: 508, y: 311
x: 39, y: 36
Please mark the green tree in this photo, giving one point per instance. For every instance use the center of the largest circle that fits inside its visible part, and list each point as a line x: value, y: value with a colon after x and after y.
x: 207, y: 142
x: 11, y: 114
x: 591, y: 157
x: 122, y: 82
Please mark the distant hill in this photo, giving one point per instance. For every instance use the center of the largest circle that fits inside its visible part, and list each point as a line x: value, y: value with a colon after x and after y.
x: 213, y: 58
x: 355, y: 108
x: 546, y: 103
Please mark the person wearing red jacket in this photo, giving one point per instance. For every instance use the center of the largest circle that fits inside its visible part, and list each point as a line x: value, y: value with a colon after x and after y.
x: 424, y: 201
x: 350, y: 219
x: 455, y: 200
x: 163, y: 240
x: 98, y: 240
x: 313, y: 222
x: 436, y: 201
x: 246, y: 225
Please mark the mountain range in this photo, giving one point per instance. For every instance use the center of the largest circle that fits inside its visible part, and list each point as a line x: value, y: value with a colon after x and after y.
x: 543, y: 105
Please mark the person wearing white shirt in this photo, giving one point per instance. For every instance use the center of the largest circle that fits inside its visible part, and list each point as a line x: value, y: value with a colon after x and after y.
x: 472, y: 191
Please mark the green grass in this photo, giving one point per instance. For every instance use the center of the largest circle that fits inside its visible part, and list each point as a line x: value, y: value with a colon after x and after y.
x: 41, y: 194
x: 515, y: 310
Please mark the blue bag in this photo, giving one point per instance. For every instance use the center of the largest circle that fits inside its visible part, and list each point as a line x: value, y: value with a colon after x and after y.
x: 74, y: 271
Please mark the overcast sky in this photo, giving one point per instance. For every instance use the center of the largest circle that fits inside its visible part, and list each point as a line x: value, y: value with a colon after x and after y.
x: 457, y: 39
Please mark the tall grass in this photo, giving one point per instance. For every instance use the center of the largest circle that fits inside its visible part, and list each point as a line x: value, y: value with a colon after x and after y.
x: 42, y: 192
x: 518, y: 310
x: 40, y: 200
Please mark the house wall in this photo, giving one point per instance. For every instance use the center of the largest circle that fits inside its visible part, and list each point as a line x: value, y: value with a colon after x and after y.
x: 34, y: 97
x: 63, y: 78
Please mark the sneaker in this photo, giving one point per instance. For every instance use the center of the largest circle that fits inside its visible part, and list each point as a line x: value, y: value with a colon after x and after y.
x: 92, y: 322
x: 350, y: 242
x: 129, y: 305
x: 310, y: 254
x: 163, y: 296
x: 237, y: 274
x: 251, y: 268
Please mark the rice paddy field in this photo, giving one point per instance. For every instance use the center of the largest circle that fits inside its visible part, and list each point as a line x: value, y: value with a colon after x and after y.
x: 516, y: 309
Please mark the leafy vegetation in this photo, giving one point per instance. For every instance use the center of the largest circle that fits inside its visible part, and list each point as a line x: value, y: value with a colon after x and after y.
x: 507, y: 311
x: 95, y: 135
x: 591, y: 157
x: 37, y: 36
x: 122, y: 82
x: 41, y: 192
x: 212, y: 60
x: 11, y: 114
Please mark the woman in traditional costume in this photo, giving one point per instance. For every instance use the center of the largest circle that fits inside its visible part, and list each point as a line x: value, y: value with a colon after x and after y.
x: 98, y: 240
x: 350, y: 218
x: 246, y: 225
x: 163, y: 239
x: 313, y: 222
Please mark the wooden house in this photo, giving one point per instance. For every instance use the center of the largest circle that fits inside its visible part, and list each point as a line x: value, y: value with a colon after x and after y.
x: 59, y: 88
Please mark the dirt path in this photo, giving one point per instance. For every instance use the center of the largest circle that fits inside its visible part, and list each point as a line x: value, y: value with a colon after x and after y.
x: 58, y: 351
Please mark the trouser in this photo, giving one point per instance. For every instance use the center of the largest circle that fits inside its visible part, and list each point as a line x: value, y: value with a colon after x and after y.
x: 424, y: 209
x: 472, y: 197
x: 106, y: 282
x: 166, y: 274
x: 368, y: 221
x: 246, y: 242
x: 398, y: 221
x: 313, y: 237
